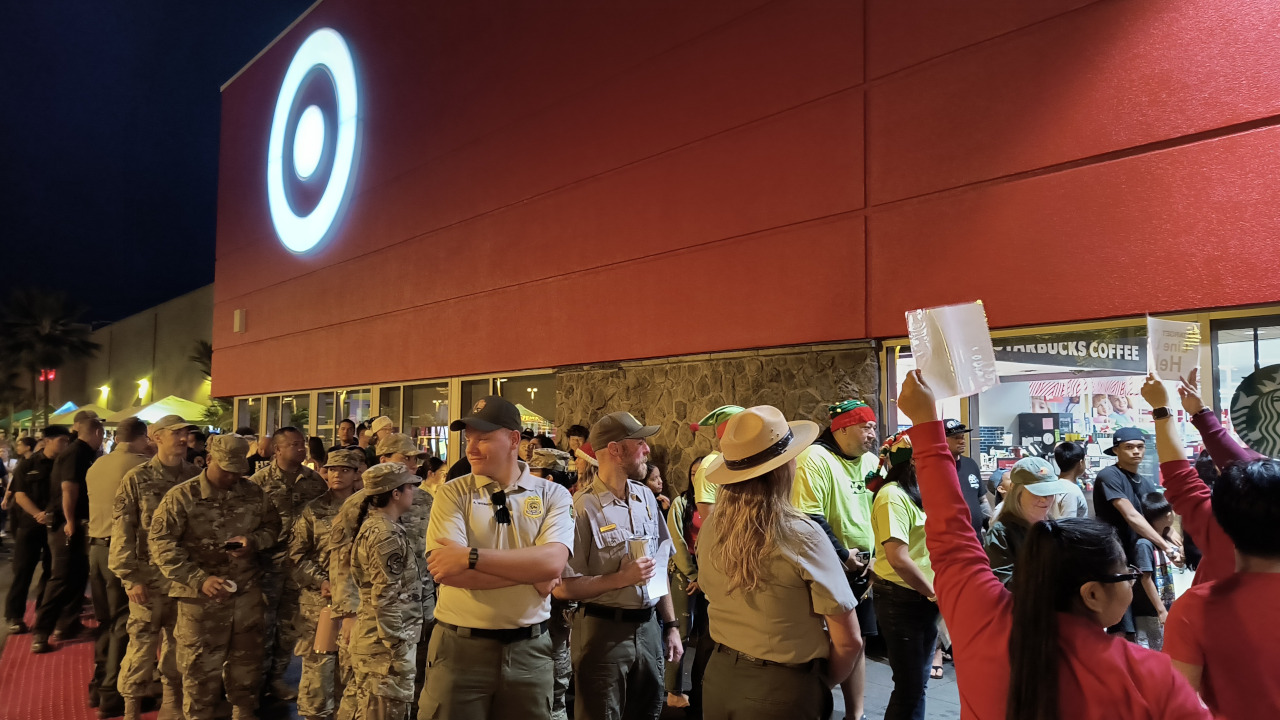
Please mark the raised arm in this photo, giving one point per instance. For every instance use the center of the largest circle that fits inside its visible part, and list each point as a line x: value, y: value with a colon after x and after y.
x: 1221, y: 446
x: 968, y: 592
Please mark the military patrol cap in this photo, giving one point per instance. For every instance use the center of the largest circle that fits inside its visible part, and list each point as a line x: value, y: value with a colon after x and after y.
x: 345, y: 458
x: 171, y: 422
x: 618, y: 426
x: 550, y: 459
x: 385, y: 477
x: 393, y: 443
x: 490, y: 413
x: 230, y: 452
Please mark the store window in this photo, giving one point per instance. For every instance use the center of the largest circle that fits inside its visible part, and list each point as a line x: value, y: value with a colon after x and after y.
x: 426, y: 417
x: 535, y: 397
x: 249, y: 413
x: 295, y: 411
x: 326, y: 420
x: 355, y: 404
x: 273, y: 414
x: 389, y: 404
x: 1241, y: 346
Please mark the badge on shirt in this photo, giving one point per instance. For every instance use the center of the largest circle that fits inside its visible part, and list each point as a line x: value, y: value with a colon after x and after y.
x: 533, y: 507
x: 607, y: 528
x: 973, y: 481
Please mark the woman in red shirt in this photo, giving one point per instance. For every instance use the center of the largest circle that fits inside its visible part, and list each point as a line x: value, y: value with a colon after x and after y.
x: 1047, y: 657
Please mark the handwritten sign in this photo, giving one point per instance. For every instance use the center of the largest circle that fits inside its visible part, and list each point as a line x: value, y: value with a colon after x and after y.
x: 1173, y: 348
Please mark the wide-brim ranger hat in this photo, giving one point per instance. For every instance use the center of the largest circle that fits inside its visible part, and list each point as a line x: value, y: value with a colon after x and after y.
x: 756, y: 441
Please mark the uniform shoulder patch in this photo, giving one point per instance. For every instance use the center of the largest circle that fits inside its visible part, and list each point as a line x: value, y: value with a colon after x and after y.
x: 392, y: 553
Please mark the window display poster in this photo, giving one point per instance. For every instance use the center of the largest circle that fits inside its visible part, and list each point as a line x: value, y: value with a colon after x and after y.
x: 952, y: 348
x: 1173, y: 348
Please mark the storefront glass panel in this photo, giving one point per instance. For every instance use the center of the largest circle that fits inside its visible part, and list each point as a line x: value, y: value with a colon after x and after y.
x: 325, y: 421
x: 249, y: 413
x: 295, y: 411
x: 355, y: 404
x: 273, y: 414
x: 426, y: 417
x: 389, y: 404
x: 535, y: 397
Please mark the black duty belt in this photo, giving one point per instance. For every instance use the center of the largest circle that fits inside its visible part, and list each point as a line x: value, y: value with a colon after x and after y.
x: 604, y: 612
x: 100, y: 541
x: 812, y: 665
x: 503, y: 636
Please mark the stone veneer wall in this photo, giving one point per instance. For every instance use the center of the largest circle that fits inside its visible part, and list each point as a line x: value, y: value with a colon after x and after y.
x: 675, y: 392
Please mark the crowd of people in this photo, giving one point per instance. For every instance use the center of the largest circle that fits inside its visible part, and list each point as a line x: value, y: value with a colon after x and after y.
x: 530, y: 580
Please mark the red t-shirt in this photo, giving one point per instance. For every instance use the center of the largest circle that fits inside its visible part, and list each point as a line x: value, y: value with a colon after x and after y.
x: 1224, y: 627
x: 1100, y: 677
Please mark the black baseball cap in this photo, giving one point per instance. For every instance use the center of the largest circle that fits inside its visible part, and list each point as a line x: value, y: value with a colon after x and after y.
x: 955, y: 427
x: 1122, y: 436
x: 490, y: 413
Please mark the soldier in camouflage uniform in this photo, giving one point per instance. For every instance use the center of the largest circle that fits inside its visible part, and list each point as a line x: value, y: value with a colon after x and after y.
x: 206, y: 538
x: 389, y: 621
x: 289, y: 485
x: 320, y: 685
x: 152, y: 613
x: 397, y: 447
x: 344, y: 593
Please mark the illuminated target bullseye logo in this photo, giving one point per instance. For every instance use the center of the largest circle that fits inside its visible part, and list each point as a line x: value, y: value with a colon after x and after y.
x: 312, y: 149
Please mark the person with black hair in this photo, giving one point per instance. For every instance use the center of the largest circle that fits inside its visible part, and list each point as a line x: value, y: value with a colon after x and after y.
x: 31, y: 492
x: 906, y: 606
x: 1220, y: 634
x: 317, y: 456
x: 458, y: 469
x: 577, y: 434
x: 389, y: 620
x: 1154, y: 593
x: 1070, y: 459
x: 687, y: 600
x: 1039, y: 652
x: 346, y: 435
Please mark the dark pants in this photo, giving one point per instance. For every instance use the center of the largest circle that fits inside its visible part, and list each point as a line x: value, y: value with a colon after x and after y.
x: 701, y: 653
x: 617, y: 669
x: 471, y: 678
x: 909, y: 626
x: 111, y: 610
x: 30, y: 550
x: 742, y: 689
x: 64, y: 598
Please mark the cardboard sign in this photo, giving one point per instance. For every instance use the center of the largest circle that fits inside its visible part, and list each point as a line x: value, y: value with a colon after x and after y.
x: 952, y: 349
x: 1173, y: 348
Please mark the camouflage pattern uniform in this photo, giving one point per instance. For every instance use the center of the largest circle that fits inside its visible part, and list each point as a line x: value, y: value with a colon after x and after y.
x: 288, y: 497
x: 415, y: 525
x: 320, y: 685
x: 150, y: 625
x: 344, y: 594
x: 389, y: 621
x: 219, y: 642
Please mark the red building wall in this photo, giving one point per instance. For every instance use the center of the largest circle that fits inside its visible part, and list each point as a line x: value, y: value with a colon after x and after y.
x: 667, y: 178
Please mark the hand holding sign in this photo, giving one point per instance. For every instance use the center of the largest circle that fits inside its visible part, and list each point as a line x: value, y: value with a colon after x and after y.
x: 1173, y: 348
x: 952, y: 348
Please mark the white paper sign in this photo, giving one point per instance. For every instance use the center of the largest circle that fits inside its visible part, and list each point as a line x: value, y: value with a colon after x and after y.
x: 1173, y: 348
x: 952, y: 349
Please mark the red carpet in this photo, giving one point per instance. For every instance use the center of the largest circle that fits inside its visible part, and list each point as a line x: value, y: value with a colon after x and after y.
x: 52, y: 686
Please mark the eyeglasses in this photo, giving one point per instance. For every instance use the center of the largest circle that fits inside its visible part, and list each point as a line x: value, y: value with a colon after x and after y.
x: 500, y: 511
x: 1130, y: 577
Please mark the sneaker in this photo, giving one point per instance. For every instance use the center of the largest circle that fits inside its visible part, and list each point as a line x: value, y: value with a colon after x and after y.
x: 40, y: 645
x: 68, y: 633
x: 17, y: 627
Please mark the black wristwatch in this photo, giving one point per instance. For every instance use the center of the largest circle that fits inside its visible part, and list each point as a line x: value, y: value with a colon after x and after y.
x: 472, y: 558
x: 1160, y: 413
x: 668, y: 624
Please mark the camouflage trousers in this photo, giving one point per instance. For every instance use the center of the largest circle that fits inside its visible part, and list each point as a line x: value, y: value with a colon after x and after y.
x: 324, y: 675
x: 150, y: 629
x: 280, y: 624
x: 220, y: 646
x: 374, y: 707
x: 388, y: 673
x: 561, y: 621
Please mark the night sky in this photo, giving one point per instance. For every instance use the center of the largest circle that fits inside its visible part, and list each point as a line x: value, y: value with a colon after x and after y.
x: 109, y: 118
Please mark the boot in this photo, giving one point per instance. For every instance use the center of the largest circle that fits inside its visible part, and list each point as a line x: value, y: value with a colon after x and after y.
x: 132, y: 709
x: 171, y: 705
x: 244, y: 712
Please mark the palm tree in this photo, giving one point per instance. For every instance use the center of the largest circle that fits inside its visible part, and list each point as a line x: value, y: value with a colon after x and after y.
x: 218, y: 414
x: 11, y: 392
x: 40, y: 330
x: 202, y: 356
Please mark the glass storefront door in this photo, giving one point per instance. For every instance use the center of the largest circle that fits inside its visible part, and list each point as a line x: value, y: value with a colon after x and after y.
x: 426, y: 417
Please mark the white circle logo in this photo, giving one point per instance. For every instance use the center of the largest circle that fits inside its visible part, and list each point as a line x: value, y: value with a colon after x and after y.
x: 326, y: 50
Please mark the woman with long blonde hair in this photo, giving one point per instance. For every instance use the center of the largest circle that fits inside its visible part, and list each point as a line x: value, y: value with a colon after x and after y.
x: 781, y: 611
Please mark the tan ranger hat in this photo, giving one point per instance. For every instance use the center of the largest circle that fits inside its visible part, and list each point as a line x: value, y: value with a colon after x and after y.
x: 385, y: 477
x: 230, y: 452
x: 393, y: 443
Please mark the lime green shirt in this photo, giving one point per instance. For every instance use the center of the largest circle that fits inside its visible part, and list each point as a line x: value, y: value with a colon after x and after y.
x: 827, y: 484
x: 895, y: 517
x: 703, y: 491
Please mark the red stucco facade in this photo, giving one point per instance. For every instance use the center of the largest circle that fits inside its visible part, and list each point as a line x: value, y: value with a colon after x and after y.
x: 544, y: 184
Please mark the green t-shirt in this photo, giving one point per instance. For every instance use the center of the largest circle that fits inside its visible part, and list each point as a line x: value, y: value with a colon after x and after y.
x: 703, y: 491
x: 835, y: 488
x: 895, y: 517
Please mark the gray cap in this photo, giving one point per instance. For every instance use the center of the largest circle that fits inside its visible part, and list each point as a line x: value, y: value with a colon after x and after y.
x: 617, y: 426
x: 1037, y: 476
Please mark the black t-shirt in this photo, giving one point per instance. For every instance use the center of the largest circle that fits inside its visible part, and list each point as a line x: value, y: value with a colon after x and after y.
x: 971, y: 487
x: 1143, y: 559
x: 1114, y: 483
x: 257, y: 462
x: 72, y: 466
x: 31, y: 477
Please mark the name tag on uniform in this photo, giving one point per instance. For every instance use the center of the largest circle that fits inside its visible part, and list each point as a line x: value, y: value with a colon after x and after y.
x: 610, y: 526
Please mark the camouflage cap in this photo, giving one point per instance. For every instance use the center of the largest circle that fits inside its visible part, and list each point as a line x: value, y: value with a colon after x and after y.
x: 385, y: 477
x: 393, y: 443
x: 230, y: 452
x: 345, y: 458
x: 171, y: 422
x: 550, y: 459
